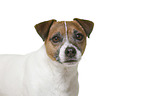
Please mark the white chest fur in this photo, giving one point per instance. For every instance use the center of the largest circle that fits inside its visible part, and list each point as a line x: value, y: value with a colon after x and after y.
x: 36, y: 74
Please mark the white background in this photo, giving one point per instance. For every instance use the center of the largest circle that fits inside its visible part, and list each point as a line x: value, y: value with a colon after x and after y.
x: 114, y: 61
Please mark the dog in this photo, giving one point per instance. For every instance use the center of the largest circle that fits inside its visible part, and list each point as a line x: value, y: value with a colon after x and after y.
x: 52, y: 70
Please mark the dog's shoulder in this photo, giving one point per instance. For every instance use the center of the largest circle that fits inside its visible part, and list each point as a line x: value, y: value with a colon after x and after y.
x: 10, y: 58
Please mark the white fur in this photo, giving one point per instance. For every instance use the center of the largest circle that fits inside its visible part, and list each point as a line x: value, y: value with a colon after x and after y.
x: 65, y: 29
x: 35, y: 74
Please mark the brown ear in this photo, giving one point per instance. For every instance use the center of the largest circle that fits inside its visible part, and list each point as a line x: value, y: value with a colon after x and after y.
x: 43, y: 28
x: 86, y: 24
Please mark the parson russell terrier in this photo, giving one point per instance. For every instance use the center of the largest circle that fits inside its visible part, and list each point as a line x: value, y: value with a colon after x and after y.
x: 52, y: 70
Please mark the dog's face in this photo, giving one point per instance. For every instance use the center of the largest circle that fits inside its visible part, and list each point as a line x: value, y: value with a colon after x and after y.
x: 65, y: 41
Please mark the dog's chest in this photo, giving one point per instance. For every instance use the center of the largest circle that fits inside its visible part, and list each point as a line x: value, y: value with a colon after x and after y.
x: 63, y: 85
x: 53, y: 82
x: 58, y: 86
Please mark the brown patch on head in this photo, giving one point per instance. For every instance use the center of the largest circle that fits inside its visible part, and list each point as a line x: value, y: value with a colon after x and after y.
x: 58, y: 28
x: 52, y: 48
x: 74, y: 28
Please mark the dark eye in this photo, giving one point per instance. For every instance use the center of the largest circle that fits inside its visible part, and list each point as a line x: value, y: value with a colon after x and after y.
x: 79, y: 36
x: 56, y: 39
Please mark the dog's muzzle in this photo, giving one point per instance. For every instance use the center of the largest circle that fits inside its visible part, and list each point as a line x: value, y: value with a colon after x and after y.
x: 69, y: 54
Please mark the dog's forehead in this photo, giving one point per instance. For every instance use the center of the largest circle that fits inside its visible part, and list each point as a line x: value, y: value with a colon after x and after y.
x: 57, y: 27
x: 65, y: 26
x: 74, y: 25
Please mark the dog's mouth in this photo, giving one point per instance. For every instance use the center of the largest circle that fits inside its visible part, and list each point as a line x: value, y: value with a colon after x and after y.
x: 70, y: 61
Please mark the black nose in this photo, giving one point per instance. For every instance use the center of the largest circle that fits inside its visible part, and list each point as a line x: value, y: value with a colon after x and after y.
x: 70, y: 52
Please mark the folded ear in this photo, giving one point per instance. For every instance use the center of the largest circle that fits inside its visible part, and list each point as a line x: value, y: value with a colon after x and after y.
x: 86, y: 24
x: 43, y: 28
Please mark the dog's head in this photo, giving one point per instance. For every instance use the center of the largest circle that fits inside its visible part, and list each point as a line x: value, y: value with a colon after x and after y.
x: 65, y: 41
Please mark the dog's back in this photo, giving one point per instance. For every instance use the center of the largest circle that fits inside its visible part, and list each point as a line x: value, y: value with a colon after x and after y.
x: 11, y: 74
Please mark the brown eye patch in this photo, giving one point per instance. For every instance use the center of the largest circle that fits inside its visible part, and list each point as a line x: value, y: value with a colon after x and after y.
x: 78, y: 35
x: 57, y: 38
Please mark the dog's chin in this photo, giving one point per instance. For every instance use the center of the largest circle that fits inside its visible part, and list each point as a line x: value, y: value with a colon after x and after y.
x: 70, y: 63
